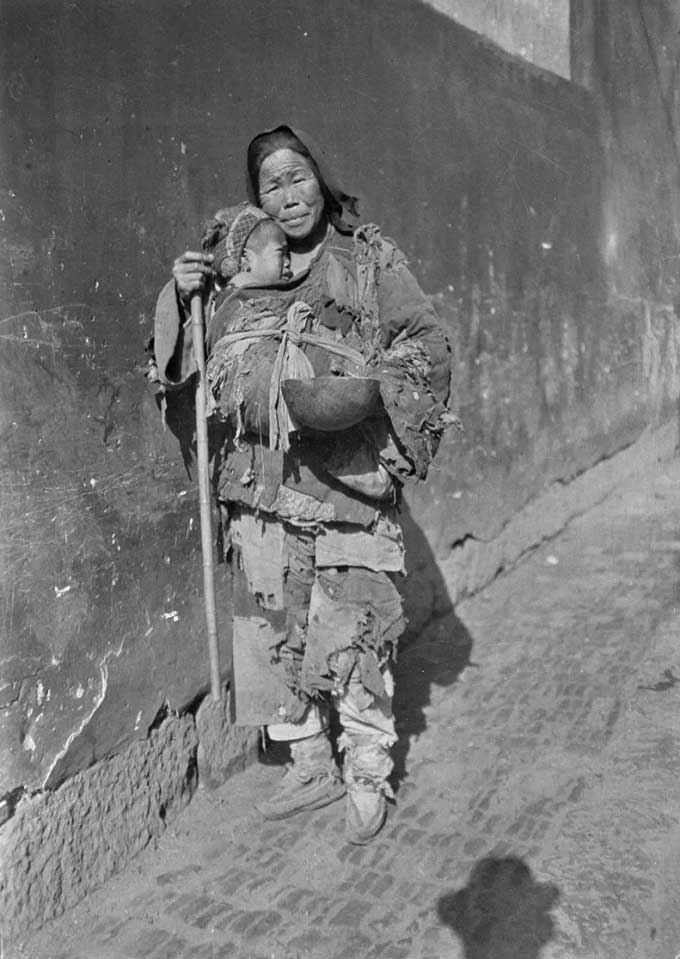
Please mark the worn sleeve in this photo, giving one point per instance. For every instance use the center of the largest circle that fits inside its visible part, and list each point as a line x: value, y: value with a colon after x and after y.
x: 413, y: 368
x: 173, y: 348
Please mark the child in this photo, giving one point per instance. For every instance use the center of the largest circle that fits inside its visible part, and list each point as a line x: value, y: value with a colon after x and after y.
x: 250, y: 253
x: 249, y: 248
x: 252, y: 346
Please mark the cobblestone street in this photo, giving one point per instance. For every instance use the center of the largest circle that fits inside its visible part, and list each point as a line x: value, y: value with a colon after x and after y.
x: 537, y: 783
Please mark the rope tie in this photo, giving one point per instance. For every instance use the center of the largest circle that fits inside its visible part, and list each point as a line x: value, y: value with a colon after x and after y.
x: 290, y: 364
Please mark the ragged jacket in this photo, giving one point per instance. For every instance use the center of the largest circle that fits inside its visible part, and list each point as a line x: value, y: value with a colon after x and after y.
x: 362, y: 294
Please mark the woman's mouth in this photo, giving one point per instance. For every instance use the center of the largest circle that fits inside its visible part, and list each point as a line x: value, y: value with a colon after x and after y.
x: 295, y: 220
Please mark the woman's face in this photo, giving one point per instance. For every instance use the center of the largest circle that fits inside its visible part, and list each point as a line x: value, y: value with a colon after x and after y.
x: 291, y: 194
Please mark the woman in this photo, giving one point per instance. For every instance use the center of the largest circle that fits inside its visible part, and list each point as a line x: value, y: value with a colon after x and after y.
x: 313, y: 522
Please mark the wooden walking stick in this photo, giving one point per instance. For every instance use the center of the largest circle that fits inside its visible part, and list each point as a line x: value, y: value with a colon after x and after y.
x: 207, y: 548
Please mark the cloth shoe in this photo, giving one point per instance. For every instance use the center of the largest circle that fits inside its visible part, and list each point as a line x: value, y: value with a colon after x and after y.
x: 310, y: 781
x: 365, y: 813
x: 367, y: 766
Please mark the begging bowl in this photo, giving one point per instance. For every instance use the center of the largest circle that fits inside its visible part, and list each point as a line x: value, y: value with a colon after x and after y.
x: 330, y: 403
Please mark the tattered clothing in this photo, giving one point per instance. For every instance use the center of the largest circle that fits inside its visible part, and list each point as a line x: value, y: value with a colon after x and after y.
x: 315, y: 608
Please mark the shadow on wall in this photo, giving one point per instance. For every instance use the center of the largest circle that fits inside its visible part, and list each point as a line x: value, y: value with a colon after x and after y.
x: 180, y: 418
x: 502, y: 913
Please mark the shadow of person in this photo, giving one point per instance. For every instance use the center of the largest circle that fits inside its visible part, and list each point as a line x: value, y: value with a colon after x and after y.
x: 179, y: 416
x: 502, y: 913
x: 435, y: 648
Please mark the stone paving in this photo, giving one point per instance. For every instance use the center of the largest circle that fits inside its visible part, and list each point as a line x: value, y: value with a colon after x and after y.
x: 538, y: 799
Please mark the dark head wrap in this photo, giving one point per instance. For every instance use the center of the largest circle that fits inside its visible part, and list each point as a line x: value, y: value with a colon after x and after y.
x: 341, y: 207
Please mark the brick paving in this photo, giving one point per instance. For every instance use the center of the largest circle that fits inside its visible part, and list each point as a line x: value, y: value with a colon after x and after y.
x: 538, y: 800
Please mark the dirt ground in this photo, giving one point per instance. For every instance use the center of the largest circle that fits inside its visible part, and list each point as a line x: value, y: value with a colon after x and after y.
x: 538, y: 795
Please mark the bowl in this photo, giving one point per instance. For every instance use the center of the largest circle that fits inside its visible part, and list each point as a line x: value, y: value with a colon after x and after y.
x: 330, y: 403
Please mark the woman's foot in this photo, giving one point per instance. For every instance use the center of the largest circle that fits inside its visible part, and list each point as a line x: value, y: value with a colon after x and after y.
x: 312, y: 780
x: 365, y: 814
x: 296, y: 795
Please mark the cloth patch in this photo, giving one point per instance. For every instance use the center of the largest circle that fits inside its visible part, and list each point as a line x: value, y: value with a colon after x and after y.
x: 364, y: 588
x: 299, y: 508
x: 254, y: 475
x: 263, y: 553
x: 355, y: 610
x: 261, y: 695
x: 382, y: 549
x: 299, y: 577
x: 286, y: 632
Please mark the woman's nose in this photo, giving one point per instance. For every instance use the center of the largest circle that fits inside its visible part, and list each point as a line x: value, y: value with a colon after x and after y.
x: 290, y: 197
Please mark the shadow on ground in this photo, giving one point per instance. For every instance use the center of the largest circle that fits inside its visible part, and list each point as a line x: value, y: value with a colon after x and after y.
x: 502, y: 913
x: 435, y: 651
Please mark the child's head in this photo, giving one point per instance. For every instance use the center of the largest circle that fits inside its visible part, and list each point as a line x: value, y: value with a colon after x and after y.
x: 265, y: 255
x: 247, y: 244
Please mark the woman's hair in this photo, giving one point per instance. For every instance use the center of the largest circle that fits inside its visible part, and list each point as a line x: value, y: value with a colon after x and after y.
x: 340, y: 206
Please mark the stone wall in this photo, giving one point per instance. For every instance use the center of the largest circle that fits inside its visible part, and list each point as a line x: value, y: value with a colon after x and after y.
x: 541, y: 215
x: 62, y: 843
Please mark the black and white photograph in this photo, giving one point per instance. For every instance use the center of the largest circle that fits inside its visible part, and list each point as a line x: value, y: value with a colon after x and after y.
x: 340, y: 479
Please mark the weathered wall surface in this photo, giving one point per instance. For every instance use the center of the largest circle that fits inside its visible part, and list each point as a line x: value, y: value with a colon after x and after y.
x: 537, y: 30
x: 568, y: 344
x: 542, y: 216
x: 632, y: 65
x: 101, y: 569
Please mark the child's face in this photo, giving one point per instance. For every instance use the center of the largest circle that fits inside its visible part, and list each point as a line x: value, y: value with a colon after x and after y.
x: 271, y: 263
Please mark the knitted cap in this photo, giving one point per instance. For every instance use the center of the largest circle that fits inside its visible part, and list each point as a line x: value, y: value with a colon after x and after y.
x: 227, y: 233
